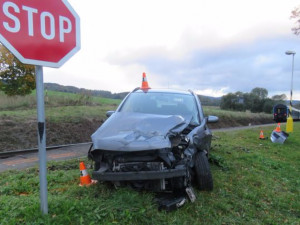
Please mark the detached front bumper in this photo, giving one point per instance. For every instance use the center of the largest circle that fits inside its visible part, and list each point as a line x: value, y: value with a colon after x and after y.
x: 140, y: 175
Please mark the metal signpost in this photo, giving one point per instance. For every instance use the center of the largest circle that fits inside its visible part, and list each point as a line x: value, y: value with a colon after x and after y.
x: 289, y: 125
x: 40, y: 33
x: 41, y: 137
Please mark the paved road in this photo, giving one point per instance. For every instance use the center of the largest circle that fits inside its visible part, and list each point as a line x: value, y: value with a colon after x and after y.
x: 31, y: 159
x: 76, y: 151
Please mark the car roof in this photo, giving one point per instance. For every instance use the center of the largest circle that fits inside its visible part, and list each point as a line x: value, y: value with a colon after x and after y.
x: 163, y: 90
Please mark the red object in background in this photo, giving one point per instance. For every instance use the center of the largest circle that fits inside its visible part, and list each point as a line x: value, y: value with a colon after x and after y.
x: 45, y: 33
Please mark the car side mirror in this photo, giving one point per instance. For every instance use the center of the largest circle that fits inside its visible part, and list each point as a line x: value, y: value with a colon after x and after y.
x: 212, y: 119
x: 109, y: 113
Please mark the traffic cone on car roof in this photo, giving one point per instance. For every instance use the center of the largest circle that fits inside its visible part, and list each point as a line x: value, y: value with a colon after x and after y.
x: 278, y: 128
x: 145, y: 82
x: 85, y: 179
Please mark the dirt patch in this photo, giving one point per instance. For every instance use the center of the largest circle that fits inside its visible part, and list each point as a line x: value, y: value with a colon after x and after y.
x: 15, y: 135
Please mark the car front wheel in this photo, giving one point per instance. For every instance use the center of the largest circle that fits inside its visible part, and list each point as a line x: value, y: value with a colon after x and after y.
x: 203, y: 174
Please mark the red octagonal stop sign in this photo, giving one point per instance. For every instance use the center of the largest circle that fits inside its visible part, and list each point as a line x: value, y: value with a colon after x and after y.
x: 40, y: 32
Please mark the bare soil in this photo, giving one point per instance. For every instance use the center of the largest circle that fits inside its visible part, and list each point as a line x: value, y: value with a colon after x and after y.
x: 14, y: 135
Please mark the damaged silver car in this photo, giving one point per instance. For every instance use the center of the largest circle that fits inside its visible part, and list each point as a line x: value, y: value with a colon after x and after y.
x: 156, y: 140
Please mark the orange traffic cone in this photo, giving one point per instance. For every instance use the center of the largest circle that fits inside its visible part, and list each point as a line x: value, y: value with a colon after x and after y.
x: 145, y: 82
x: 278, y: 128
x: 261, y: 135
x: 85, y: 179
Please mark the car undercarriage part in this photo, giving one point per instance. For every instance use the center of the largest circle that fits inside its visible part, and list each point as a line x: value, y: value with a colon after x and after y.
x: 143, y: 175
x: 173, y: 201
x: 191, y: 194
x: 170, y: 202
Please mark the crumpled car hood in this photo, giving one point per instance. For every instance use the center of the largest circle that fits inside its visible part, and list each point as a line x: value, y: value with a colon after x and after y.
x: 137, y: 131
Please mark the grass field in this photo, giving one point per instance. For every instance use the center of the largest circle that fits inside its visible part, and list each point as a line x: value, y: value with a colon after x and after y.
x: 52, y: 99
x: 255, y: 182
x: 62, y: 106
x: 59, y: 107
x: 235, y: 118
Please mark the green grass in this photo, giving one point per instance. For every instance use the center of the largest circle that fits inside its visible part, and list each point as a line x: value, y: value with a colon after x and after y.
x: 59, y: 106
x: 60, y: 114
x: 235, y: 115
x: 216, y: 110
x: 52, y: 99
x: 255, y: 182
x: 9, y: 103
x: 77, y: 99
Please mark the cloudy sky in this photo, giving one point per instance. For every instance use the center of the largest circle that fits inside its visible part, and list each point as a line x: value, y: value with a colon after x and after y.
x: 210, y: 46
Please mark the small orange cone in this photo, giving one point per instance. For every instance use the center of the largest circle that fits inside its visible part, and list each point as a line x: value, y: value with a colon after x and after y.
x: 278, y: 128
x: 85, y: 179
x: 145, y: 82
x: 261, y: 135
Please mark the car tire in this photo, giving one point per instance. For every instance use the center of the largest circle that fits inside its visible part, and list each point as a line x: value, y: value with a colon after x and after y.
x: 202, y: 172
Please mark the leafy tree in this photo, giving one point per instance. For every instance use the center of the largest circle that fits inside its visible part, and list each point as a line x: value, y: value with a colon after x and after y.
x: 257, y: 104
x: 268, y: 105
x: 255, y: 101
x: 260, y: 93
x: 281, y: 97
x: 16, y: 78
x: 226, y: 101
x: 248, y: 101
x: 296, y: 16
x: 233, y: 101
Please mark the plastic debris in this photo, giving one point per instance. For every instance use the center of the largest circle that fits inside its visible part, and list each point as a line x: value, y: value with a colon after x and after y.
x: 279, y: 137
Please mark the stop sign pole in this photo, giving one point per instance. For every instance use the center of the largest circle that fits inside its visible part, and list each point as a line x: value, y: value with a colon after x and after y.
x: 41, y: 137
x: 40, y: 33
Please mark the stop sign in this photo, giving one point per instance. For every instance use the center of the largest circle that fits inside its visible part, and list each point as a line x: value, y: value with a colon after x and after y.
x: 40, y: 32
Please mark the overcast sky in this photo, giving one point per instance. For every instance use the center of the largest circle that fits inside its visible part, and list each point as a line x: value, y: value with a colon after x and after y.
x: 210, y: 46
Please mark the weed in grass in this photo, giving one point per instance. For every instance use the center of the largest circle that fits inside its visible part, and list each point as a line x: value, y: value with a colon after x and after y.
x: 218, y: 161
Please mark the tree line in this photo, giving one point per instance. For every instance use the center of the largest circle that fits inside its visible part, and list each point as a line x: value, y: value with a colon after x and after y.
x: 255, y: 101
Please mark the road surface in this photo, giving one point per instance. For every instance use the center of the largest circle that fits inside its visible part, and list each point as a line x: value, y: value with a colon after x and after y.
x: 31, y: 159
